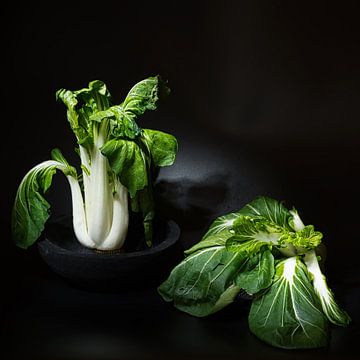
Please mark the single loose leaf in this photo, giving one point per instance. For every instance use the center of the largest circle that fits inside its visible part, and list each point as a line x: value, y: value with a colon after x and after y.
x: 288, y: 315
x: 257, y: 273
x: 203, y: 282
x: 31, y: 210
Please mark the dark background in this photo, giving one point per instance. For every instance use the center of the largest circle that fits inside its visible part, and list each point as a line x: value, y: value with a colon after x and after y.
x: 265, y: 100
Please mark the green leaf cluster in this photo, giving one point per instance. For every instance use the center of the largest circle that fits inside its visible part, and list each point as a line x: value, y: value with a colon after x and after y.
x: 103, y: 131
x: 265, y: 250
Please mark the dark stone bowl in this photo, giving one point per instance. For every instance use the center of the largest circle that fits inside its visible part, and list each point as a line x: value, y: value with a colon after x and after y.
x: 135, y: 268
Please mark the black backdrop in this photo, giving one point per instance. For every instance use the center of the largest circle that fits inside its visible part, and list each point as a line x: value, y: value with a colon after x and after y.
x: 264, y: 101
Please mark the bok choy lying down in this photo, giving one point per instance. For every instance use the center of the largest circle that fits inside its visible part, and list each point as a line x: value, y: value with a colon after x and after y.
x: 117, y: 161
x: 265, y: 250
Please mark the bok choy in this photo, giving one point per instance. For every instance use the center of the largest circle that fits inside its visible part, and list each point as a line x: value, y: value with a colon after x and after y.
x: 117, y: 163
x: 265, y: 250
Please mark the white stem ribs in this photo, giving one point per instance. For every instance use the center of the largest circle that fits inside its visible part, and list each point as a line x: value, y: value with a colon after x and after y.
x: 100, y: 217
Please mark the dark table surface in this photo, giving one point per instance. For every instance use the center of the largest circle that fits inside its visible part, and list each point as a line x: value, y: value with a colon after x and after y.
x: 45, y: 317
x: 56, y: 321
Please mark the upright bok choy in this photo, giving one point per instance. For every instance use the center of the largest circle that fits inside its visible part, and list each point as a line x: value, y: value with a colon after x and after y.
x: 117, y: 161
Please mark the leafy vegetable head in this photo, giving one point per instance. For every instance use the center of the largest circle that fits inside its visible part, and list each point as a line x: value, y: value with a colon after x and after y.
x: 117, y: 158
x: 267, y: 251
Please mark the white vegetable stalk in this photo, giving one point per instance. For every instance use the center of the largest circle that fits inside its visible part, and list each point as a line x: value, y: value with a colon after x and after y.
x: 296, y: 221
x: 319, y: 281
x: 101, y: 218
x: 334, y: 313
x: 289, y: 269
x: 79, y: 216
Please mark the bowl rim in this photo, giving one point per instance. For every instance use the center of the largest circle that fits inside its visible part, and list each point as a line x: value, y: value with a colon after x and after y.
x: 172, y: 236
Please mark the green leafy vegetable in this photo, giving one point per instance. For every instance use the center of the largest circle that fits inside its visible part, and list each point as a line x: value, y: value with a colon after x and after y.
x: 257, y: 273
x: 268, y: 210
x: 331, y: 309
x: 288, y: 314
x: 267, y: 251
x: 161, y: 146
x: 32, y: 210
x: 204, y: 282
x: 218, y: 233
x: 117, y: 160
x: 128, y: 163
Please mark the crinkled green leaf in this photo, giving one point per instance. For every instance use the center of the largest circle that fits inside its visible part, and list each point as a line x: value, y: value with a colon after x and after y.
x: 144, y: 96
x: 257, y: 273
x: 81, y: 105
x: 203, y: 282
x: 253, y: 235
x: 121, y: 126
x: 128, y: 162
x: 261, y: 230
x: 162, y: 146
x: 79, y: 125
x: 268, y: 209
x: 268, y: 218
x: 307, y: 238
x: 248, y: 247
